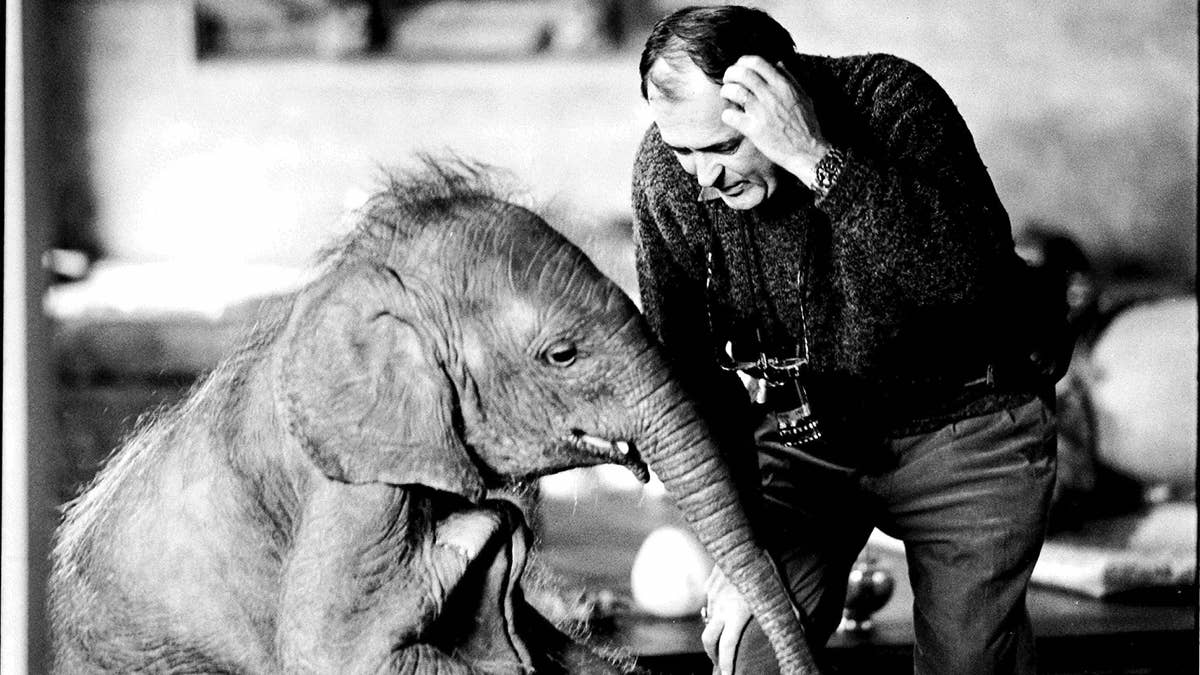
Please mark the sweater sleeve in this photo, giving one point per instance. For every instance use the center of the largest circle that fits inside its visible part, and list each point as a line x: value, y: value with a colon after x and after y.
x: 915, y: 217
x: 671, y: 282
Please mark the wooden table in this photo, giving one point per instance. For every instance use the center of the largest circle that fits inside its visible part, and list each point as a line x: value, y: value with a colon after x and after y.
x: 593, y: 538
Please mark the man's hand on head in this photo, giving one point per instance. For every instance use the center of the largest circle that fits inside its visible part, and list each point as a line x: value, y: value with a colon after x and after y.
x: 775, y: 114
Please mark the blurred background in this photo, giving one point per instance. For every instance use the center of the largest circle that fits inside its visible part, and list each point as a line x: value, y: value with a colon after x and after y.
x: 238, y: 130
x: 183, y: 159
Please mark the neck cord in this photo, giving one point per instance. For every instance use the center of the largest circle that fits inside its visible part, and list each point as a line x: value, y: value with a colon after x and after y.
x: 768, y: 367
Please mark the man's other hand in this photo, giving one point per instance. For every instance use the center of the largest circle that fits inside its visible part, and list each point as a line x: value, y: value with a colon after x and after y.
x: 728, y: 615
x: 775, y: 113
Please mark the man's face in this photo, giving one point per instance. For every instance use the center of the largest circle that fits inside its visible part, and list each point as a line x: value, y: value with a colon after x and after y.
x: 716, y: 154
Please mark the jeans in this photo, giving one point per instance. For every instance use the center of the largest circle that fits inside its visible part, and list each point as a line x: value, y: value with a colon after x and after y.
x: 969, y: 500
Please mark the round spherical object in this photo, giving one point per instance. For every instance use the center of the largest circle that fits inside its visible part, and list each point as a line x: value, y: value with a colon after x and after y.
x: 1143, y: 390
x: 669, y: 572
x: 867, y: 590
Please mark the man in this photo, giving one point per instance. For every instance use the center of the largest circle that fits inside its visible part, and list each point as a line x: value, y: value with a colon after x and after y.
x: 825, y: 226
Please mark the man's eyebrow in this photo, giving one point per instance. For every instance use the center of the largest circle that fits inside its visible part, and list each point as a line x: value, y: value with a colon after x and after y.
x: 715, y: 147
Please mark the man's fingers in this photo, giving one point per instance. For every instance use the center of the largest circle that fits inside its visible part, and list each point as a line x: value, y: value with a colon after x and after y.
x: 728, y: 616
x: 748, y: 78
x: 711, y: 638
x: 728, y: 648
x: 770, y: 75
x: 791, y: 79
x: 736, y: 94
x: 736, y: 119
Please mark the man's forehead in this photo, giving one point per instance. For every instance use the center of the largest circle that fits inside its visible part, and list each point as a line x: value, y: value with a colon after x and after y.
x: 686, y: 106
x: 695, y: 135
x: 676, y: 79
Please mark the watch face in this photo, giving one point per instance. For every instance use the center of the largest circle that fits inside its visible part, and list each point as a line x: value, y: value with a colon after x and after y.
x: 828, y: 170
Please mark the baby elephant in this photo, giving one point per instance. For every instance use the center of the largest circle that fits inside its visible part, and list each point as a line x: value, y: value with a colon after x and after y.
x: 319, y: 504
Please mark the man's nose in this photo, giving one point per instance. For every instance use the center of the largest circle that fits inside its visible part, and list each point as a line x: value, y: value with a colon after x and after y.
x: 708, y: 170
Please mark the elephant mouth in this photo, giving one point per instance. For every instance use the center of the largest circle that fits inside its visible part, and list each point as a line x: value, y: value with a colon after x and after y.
x: 617, y: 452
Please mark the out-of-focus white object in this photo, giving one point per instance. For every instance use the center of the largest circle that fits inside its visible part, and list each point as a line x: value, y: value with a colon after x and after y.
x: 202, y: 289
x: 669, y: 572
x: 1152, y: 549
x: 1143, y: 386
x: 585, y: 482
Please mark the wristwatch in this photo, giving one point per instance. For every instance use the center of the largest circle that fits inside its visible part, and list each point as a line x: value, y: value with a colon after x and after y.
x: 828, y: 170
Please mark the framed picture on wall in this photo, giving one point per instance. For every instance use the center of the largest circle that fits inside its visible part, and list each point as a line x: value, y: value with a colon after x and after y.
x: 417, y: 29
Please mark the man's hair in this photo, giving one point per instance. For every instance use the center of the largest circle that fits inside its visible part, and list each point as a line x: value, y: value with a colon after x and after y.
x: 714, y: 38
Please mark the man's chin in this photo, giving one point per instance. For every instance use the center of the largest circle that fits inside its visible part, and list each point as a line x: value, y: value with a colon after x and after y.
x: 748, y: 198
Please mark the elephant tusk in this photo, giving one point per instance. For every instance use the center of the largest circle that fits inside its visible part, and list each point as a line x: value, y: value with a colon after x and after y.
x: 593, y: 442
x: 600, y: 444
x: 623, y: 451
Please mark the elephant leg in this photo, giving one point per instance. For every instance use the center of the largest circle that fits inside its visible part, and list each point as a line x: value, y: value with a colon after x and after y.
x: 488, y: 623
x: 347, y: 605
x: 350, y: 607
x: 555, y: 651
x: 559, y: 653
x: 421, y: 659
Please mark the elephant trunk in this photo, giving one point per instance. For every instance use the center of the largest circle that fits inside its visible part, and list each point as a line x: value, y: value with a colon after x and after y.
x: 682, y: 451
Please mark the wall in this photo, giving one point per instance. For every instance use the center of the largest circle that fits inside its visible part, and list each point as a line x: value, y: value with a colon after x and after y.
x: 1085, y: 113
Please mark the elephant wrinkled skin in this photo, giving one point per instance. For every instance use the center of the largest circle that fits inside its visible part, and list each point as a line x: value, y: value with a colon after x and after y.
x: 320, y: 502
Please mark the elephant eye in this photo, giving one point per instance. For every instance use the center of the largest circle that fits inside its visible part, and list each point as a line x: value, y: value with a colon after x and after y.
x: 561, y: 354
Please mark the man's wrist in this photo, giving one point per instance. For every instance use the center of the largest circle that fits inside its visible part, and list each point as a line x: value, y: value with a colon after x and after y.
x: 804, y: 167
x: 827, y: 171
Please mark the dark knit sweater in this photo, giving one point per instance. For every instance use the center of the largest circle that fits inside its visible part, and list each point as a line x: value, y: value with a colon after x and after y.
x: 896, y: 279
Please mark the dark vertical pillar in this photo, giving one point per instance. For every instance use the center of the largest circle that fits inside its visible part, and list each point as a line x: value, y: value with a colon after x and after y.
x: 29, y: 444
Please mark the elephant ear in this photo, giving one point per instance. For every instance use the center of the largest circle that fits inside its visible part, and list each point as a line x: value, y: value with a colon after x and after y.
x: 363, y: 390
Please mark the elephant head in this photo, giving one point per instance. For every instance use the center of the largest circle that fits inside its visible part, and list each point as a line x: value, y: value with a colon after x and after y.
x: 456, y: 341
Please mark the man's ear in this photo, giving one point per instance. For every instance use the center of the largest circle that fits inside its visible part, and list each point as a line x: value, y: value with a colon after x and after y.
x: 363, y: 391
